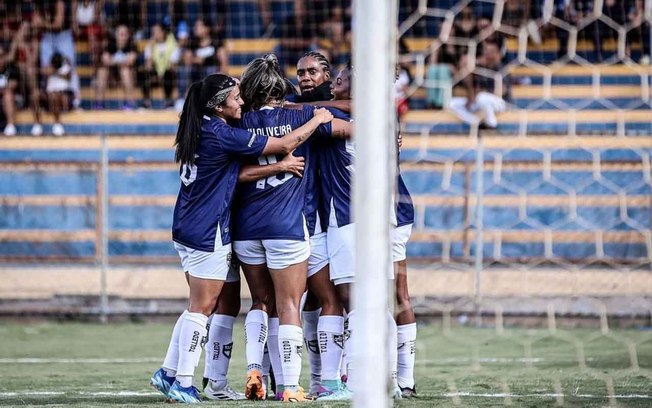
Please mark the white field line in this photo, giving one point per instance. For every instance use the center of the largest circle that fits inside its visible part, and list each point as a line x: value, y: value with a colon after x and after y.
x: 448, y: 395
x: 79, y: 360
x: 546, y: 395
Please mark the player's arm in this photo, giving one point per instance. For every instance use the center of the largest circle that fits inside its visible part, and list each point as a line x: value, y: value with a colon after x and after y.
x: 341, y: 129
x: 286, y: 144
x: 344, y: 105
x: 289, y: 164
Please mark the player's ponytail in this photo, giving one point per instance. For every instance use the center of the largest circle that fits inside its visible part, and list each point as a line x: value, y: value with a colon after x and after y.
x: 263, y: 81
x: 202, y: 99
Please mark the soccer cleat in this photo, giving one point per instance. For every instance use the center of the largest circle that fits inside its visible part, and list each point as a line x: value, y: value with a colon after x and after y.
x: 297, y: 395
x: 162, y: 382
x: 336, y: 392
x: 408, y: 392
x: 189, y: 395
x: 225, y: 393
x: 396, y: 393
x: 316, y: 390
x: 254, y: 389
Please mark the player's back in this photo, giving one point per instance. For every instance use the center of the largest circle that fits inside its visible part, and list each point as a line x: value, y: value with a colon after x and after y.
x: 273, y: 207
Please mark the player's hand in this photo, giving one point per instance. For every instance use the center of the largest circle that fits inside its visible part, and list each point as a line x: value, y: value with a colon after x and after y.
x: 293, y: 164
x: 399, y: 141
x: 323, y: 115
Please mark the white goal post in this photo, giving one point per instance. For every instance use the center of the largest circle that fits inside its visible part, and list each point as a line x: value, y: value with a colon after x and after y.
x: 374, y: 37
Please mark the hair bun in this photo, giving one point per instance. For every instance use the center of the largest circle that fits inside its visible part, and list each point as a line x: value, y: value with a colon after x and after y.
x: 270, y: 59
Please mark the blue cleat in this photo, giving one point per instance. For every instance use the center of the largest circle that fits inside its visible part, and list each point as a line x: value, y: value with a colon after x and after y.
x: 161, y: 382
x: 335, y: 391
x: 188, y: 395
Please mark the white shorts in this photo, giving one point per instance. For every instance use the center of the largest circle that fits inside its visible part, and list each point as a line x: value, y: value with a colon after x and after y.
x: 340, y: 242
x: 276, y: 253
x: 318, y: 253
x: 218, y: 265
x: 400, y: 237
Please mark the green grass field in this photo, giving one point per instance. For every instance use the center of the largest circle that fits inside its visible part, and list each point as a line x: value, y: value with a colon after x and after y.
x: 89, y: 365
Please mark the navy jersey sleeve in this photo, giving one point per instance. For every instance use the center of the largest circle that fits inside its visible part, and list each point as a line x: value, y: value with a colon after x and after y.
x: 241, y: 142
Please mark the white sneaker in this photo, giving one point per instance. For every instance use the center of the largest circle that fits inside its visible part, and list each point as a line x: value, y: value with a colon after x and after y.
x: 224, y: 394
x: 10, y: 130
x: 37, y: 129
x: 58, y: 130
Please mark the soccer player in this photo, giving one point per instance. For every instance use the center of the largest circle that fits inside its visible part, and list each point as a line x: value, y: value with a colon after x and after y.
x: 209, y: 150
x: 405, y: 320
x: 322, y: 315
x: 270, y: 229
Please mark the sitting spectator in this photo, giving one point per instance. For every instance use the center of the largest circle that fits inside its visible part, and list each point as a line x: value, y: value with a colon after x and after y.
x: 465, y: 24
x: 641, y: 30
x: 161, y: 57
x: 88, y: 25
x: 58, y: 87
x: 296, y: 38
x: 439, y: 78
x: 55, y: 23
x: 118, y: 61
x: 481, y: 89
x: 205, y: 56
x: 132, y: 13
x: 18, y: 76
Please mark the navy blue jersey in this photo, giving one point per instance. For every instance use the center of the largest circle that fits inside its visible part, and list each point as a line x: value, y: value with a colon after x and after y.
x: 336, y: 172
x: 274, y: 207
x: 208, y: 185
x: 404, y: 206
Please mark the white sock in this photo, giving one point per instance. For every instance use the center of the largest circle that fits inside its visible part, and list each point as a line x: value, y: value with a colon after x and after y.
x: 255, y: 338
x: 393, y: 352
x: 343, y: 365
x: 348, y: 349
x: 310, y: 320
x: 331, y: 346
x: 218, y: 349
x: 274, y: 354
x: 191, y: 341
x: 407, y: 337
x: 290, y: 339
x: 266, y: 364
x: 172, y: 355
x: 207, y: 349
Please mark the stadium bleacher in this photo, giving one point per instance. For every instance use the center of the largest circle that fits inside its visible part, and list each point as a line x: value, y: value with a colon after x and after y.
x: 52, y: 212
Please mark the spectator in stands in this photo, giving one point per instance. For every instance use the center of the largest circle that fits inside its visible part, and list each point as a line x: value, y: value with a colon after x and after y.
x: 484, y: 96
x: 19, y: 76
x: 296, y: 38
x: 55, y: 23
x: 523, y: 14
x: 465, y: 24
x: 641, y: 30
x: 439, y: 78
x: 132, y: 13
x: 565, y: 11
x: 403, y: 79
x: 327, y: 20
x: 204, y: 57
x: 118, y: 62
x: 58, y: 88
x: 88, y: 25
x: 161, y: 54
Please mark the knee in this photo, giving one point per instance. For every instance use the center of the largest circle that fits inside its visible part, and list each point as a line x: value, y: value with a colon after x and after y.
x: 203, y: 306
x: 287, y: 307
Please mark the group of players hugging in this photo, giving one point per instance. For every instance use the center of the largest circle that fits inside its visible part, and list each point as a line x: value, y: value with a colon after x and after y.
x: 266, y: 173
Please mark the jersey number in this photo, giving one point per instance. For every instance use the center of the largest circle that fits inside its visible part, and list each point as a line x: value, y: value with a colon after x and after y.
x: 188, y: 174
x: 272, y: 181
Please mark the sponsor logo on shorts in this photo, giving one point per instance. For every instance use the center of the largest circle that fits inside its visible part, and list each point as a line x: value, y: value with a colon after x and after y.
x: 228, y: 260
